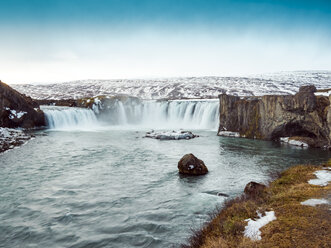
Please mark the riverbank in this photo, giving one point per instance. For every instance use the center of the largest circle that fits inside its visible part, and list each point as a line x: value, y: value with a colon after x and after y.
x: 293, y: 211
x: 11, y: 138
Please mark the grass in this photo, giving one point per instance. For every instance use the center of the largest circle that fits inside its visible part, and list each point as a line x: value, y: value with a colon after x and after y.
x: 296, y: 225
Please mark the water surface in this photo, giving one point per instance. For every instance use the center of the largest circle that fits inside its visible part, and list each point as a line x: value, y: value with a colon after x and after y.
x: 113, y: 188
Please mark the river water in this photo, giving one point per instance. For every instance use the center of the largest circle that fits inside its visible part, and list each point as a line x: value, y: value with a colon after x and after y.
x: 107, y: 186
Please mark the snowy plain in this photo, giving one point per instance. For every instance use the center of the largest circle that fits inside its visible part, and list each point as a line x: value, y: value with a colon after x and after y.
x: 181, y: 88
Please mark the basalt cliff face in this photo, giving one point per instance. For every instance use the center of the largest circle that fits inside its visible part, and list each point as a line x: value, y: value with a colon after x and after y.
x: 305, y: 116
x: 17, y: 110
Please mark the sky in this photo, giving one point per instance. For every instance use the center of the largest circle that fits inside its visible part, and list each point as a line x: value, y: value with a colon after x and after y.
x: 44, y: 41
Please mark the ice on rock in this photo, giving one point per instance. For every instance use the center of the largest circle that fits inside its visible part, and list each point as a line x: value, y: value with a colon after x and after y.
x: 171, y: 135
x: 15, y: 114
x: 9, y: 138
x: 252, y: 230
x: 229, y: 134
x: 293, y: 142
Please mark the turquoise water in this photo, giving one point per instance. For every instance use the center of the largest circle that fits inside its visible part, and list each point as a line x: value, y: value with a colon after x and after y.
x: 113, y: 188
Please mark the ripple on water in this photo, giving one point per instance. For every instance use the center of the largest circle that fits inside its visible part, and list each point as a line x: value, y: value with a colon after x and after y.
x: 110, y: 189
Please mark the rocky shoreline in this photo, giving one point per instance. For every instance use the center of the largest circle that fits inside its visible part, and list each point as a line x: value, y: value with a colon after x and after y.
x: 293, y: 211
x: 18, y: 113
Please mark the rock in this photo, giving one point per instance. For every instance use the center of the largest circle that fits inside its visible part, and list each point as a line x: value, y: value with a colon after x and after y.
x: 254, y: 189
x: 191, y: 165
x: 171, y: 135
x: 271, y: 117
x: 308, y: 89
x: 9, y: 138
x: 17, y: 110
x: 222, y: 194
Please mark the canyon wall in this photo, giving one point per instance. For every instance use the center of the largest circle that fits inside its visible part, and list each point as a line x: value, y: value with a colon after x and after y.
x: 305, y: 116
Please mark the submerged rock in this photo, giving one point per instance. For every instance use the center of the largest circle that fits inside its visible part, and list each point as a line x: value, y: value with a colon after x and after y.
x: 171, y: 135
x: 191, y: 165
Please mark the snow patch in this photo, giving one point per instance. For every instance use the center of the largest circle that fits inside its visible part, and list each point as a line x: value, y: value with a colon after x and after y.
x: 252, y: 230
x: 15, y: 114
x: 171, y: 135
x: 9, y: 138
x: 323, y: 178
x: 229, y: 134
x: 314, y: 202
x: 293, y: 142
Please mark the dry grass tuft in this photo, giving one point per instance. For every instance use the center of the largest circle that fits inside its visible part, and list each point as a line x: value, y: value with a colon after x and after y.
x: 296, y: 225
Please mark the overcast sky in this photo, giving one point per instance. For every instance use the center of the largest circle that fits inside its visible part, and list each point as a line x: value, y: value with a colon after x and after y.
x: 62, y: 40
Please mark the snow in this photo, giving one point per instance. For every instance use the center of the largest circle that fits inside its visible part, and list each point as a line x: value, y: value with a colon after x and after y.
x: 293, y: 142
x: 9, y: 138
x: 252, y: 230
x: 323, y: 178
x: 314, y: 202
x: 229, y: 134
x: 97, y: 105
x: 183, y: 87
x: 15, y: 114
x: 191, y: 166
x: 170, y: 135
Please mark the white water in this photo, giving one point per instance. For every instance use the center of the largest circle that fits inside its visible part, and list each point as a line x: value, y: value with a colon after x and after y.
x: 166, y: 114
x: 148, y: 114
x: 67, y: 118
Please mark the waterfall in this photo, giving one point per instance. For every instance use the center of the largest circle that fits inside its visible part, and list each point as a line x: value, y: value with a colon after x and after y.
x: 177, y: 114
x: 186, y: 114
x: 68, y: 118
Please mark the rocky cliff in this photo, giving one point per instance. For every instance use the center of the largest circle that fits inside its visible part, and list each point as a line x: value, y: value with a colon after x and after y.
x: 17, y: 110
x: 305, y: 116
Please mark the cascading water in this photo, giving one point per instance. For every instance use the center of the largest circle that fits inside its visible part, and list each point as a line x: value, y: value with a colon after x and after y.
x: 164, y: 114
x: 176, y: 114
x: 68, y: 118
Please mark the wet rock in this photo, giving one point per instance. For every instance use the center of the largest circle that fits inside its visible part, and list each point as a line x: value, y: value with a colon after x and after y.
x: 10, y: 138
x: 222, y: 194
x: 254, y: 189
x: 191, y: 165
x: 308, y: 89
x: 171, y: 135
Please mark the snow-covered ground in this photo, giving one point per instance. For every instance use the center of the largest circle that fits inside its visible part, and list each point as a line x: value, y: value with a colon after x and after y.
x: 252, y: 230
x: 178, y: 88
x: 9, y: 138
x: 314, y: 202
x: 323, y: 178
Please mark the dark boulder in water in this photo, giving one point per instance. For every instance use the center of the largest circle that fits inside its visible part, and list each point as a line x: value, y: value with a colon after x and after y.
x: 18, y: 110
x: 191, y: 165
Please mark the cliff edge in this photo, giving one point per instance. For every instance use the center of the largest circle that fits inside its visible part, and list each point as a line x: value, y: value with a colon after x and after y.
x: 17, y: 110
x: 303, y: 116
